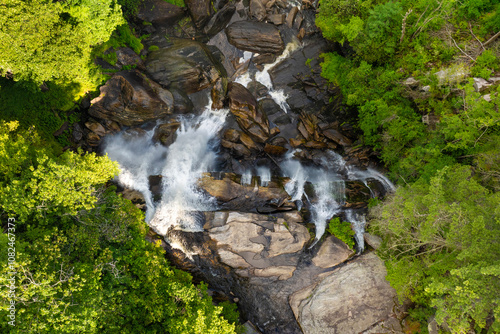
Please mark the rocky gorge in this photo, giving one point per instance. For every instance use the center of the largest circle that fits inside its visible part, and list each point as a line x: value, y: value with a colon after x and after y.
x: 240, y: 153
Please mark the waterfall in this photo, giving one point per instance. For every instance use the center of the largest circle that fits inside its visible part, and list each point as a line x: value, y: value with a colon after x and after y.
x: 358, y: 223
x: 363, y: 175
x: 264, y: 78
x: 265, y: 176
x: 246, y: 178
x: 181, y: 165
x: 327, y: 186
x: 278, y: 95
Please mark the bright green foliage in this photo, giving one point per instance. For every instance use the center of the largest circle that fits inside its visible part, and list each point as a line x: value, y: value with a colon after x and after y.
x: 34, y: 182
x: 441, y: 247
x: 42, y: 40
x: 485, y: 65
x: 83, y: 263
x: 341, y: 230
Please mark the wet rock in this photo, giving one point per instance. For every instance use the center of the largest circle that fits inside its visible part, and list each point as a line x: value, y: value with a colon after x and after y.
x: 275, y: 149
x: 187, y: 64
x: 127, y: 57
x: 130, y: 98
x: 266, y: 58
x: 97, y: 128
x: 218, y: 94
x: 200, y: 11
x: 232, y: 135
x: 166, y: 133
x: 257, y: 10
x: 255, y: 37
x: 220, y: 20
x: 233, y: 196
x: 182, y: 103
x: 248, y: 142
x: 249, y: 117
x: 315, y: 144
x: 230, y: 52
x: 159, y: 12
x: 239, y: 150
x: 337, y: 137
x: 332, y: 252
x: 334, y: 306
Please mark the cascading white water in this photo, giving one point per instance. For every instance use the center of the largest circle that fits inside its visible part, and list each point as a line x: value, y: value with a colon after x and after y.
x: 358, y: 223
x: 329, y: 190
x: 265, y: 176
x: 246, y: 178
x: 181, y: 165
x: 264, y: 78
x: 138, y: 158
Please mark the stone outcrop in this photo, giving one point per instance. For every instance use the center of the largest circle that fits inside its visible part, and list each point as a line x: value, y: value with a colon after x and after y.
x: 129, y: 98
x: 220, y: 20
x: 231, y: 195
x: 331, y: 253
x: 159, y: 12
x: 250, y: 118
x: 200, y: 11
x: 187, y: 65
x: 352, y: 299
x: 256, y: 37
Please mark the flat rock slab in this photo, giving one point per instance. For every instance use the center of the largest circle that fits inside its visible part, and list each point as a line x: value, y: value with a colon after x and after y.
x: 256, y: 37
x: 159, y: 12
x: 353, y: 299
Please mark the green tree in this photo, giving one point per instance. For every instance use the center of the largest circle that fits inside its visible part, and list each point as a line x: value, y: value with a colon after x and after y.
x: 83, y: 263
x: 43, y: 40
x: 441, y: 249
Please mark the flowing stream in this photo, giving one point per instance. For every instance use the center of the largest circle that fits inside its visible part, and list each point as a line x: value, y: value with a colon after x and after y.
x: 181, y: 165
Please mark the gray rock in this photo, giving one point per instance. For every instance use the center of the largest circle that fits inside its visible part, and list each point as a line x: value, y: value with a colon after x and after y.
x: 159, y: 12
x: 352, y: 299
x: 373, y: 240
x: 220, y: 20
x: 480, y: 84
x: 200, y: 11
x: 331, y: 253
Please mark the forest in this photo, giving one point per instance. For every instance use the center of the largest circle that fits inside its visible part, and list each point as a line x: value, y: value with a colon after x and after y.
x: 408, y: 69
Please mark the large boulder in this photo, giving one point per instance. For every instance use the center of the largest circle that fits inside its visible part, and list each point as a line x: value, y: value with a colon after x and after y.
x: 158, y: 12
x: 352, y: 299
x: 231, y: 195
x: 188, y: 65
x: 200, y: 11
x: 129, y: 98
x: 249, y: 116
x: 256, y: 37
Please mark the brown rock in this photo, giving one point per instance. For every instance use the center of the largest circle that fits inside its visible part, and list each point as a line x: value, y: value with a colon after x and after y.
x: 129, y: 98
x: 274, y: 149
x: 243, y: 106
x: 166, y: 133
x: 200, y: 11
x: 315, y: 144
x: 218, y: 93
x: 332, y: 252
x: 337, y: 137
x: 232, y: 135
x: 291, y: 16
x: 97, y: 128
x: 220, y: 20
x: 188, y: 64
x: 248, y: 142
x: 93, y: 139
x: 255, y: 37
x: 257, y: 10
x: 276, y: 19
x: 283, y: 272
x: 295, y: 142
